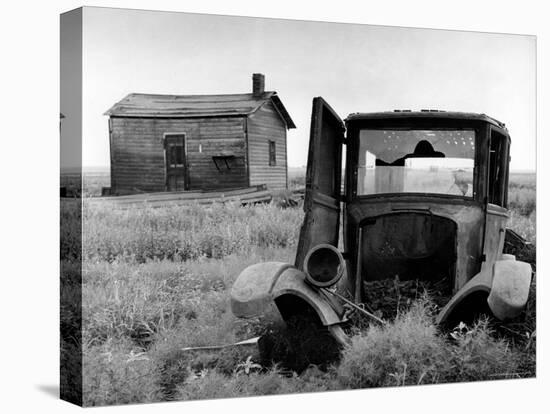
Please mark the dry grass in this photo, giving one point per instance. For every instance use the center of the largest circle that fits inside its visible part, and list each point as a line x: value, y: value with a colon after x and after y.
x: 185, y: 233
x: 155, y: 281
x: 522, y: 204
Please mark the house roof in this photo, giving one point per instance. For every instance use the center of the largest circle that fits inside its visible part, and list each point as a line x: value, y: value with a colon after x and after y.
x: 196, y: 106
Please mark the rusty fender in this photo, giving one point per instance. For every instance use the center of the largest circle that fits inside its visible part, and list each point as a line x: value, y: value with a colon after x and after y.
x: 255, y: 290
x: 510, y: 288
x: 506, y: 284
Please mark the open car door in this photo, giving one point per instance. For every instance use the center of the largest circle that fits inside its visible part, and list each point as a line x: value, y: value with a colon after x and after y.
x: 323, y: 180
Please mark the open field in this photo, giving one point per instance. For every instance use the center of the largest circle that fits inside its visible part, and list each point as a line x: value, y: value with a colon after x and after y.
x: 157, y: 280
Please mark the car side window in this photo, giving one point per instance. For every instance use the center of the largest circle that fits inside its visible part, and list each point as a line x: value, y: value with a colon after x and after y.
x: 498, y: 165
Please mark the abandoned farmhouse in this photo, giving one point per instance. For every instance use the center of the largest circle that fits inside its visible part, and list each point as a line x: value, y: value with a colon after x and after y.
x: 199, y: 142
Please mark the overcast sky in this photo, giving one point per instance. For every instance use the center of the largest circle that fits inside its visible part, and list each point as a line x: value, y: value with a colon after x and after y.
x: 356, y: 68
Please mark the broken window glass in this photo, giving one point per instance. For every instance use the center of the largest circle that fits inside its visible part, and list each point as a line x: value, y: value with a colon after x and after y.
x: 416, y: 161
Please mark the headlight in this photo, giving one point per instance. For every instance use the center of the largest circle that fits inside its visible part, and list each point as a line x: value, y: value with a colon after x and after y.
x: 323, y: 265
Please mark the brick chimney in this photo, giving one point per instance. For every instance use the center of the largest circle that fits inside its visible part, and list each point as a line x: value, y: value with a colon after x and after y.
x: 258, y: 84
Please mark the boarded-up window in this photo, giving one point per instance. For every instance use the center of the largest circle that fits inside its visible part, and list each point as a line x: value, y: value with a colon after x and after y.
x: 272, y: 154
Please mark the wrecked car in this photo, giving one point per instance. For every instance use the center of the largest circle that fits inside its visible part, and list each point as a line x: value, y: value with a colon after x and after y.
x: 424, y: 197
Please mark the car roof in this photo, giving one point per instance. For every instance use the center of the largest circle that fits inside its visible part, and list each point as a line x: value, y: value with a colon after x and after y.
x: 424, y: 114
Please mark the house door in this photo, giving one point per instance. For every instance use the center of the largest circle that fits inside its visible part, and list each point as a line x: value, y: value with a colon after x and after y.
x: 176, y: 163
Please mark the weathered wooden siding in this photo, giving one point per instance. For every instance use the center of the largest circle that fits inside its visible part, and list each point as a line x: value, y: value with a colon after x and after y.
x: 263, y: 126
x: 138, y: 157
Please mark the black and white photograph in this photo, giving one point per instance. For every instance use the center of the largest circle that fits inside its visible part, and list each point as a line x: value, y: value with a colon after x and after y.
x: 294, y: 207
x: 267, y: 206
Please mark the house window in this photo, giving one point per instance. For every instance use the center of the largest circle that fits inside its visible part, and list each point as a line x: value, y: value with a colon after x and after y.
x: 272, y: 154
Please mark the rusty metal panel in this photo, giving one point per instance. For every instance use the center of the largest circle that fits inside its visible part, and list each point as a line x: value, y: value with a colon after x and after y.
x: 468, y: 216
x: 495, y: 232
x: 323, y: 180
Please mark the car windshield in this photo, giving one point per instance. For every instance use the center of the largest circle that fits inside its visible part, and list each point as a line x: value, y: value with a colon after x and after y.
x: 416, y: 161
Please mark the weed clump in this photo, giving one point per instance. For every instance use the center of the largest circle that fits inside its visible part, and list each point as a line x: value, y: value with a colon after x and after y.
x: 411, y: 351
x: 477, y: 355
x: 408, y: 351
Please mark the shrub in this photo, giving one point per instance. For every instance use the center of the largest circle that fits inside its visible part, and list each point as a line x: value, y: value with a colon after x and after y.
x: 477, y: 355
x: 406, y: 351
x: 411, y: 351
